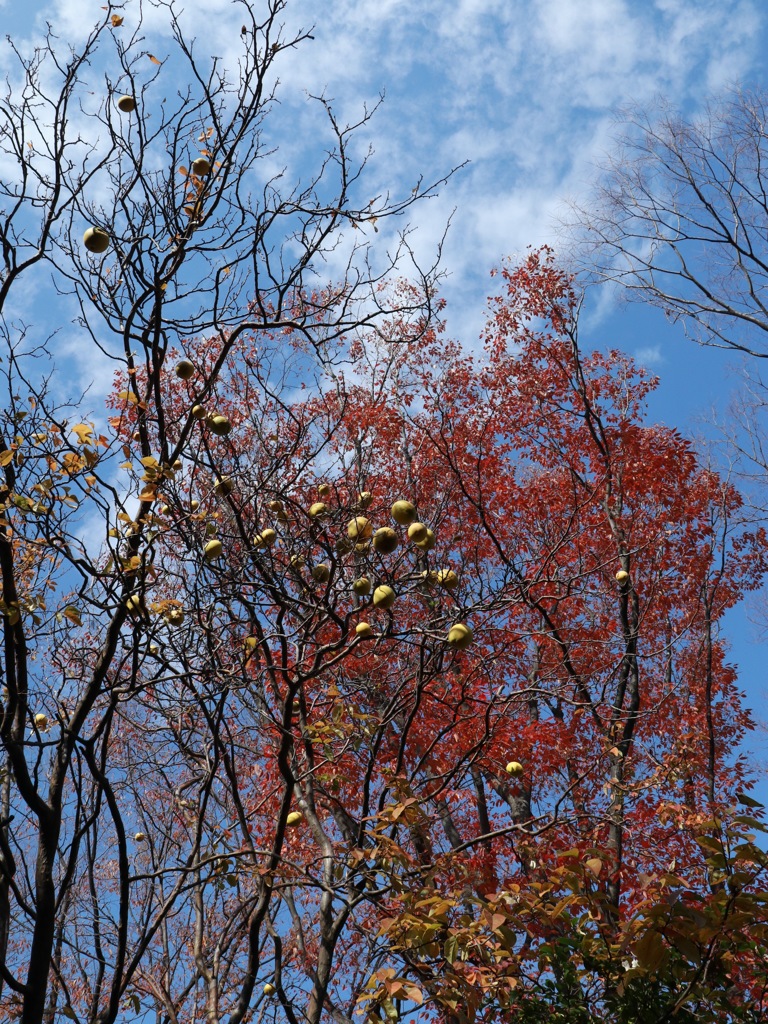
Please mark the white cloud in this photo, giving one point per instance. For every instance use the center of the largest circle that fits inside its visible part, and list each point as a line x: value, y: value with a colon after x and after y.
x: 525, y: 91
x: 649, y: 356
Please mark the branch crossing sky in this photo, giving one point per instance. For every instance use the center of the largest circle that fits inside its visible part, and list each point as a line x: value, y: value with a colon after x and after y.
x: 526, y: 90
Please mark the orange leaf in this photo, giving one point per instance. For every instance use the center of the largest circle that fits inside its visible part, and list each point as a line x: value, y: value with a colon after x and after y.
x: 154, y: 59
x: 116, y: 20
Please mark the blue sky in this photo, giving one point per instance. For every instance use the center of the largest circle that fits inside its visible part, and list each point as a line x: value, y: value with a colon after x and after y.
x: 525, y: 90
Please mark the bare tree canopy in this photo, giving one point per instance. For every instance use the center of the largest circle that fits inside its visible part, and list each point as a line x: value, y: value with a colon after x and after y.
x: 679, y: 216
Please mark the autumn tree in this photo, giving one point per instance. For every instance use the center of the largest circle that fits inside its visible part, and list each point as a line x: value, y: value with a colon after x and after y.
x: 677, y: 219
x: 422, y: 705
x: 347, y: 674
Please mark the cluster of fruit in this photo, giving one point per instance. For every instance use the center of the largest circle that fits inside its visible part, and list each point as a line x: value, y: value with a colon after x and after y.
x: 361, y: 538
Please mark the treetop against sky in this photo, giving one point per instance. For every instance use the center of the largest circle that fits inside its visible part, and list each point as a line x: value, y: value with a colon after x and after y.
x: 352, y: 671
x: 523, y: 91
x: 526, y: 93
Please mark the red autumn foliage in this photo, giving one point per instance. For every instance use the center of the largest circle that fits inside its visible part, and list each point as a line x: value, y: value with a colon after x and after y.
x: 612, y: 873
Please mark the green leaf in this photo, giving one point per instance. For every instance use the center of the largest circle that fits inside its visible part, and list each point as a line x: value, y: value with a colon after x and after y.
x: 650, y: 951
x: 748, y: 801
x: 451, y: 948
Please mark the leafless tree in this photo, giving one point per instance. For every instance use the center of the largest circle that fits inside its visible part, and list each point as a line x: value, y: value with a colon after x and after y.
x: 679, y: 217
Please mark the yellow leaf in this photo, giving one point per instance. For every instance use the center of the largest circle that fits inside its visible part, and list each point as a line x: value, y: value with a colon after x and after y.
x: 6, y: 458
x: 595, y: 865
x: 116, y: 20
x: 84, y: 432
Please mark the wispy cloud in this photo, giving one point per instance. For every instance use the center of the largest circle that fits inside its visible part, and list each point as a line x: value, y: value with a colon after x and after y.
x: 524, y: 91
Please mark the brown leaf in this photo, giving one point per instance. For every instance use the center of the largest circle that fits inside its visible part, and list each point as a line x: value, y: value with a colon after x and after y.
x: 116, y: 20
x: 154, y: 59
x: 72, y: 613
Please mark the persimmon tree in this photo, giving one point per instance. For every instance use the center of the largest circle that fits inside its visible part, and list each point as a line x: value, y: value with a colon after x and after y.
x: 142, y: 199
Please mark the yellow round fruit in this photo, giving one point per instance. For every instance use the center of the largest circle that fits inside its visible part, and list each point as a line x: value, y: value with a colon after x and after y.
x: 41, y: 721
x: 404, y: 512
x: 515, y: 769
x: 139, y: 837
x: 363, y: 547
x: 418, y: 532
x: 319, y: 510
x: 96, y: 240
x: 297, y: 561
x: 460, y: 636
x: 362, y: 586
x: 429, y: 577
x: 134, y: 604
x: 269, y: 989
x: 265, y: 539
x: 324, y: 490
x: 359, y: 528
x: 383, y: 597
x: 321, y: 573
x: 220, y: 425
x: 175, y: 616
x: 201, y: 166
x: 385, y: 540
x: 363, y: 630
x: 194, y: 504
x: 294, y: 818
x: 178, y: 464
x: 622, y: 576
x: 213, y: 550
x: 365, y: 499
x: 275, y: 506
x: 428, y: 543
x: 126, y: 104
x: 447, y: 578
x: 223, y: 486
x: 198, y: 411
x: 185, y: 370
